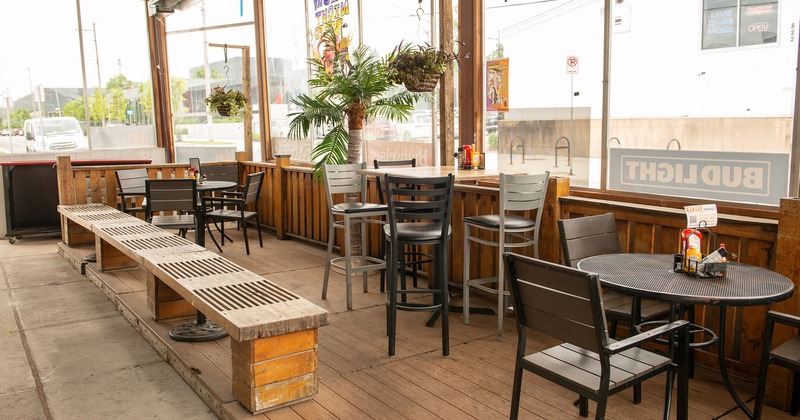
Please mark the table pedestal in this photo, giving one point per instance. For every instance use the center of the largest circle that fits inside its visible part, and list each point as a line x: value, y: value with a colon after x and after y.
x: 197, y: 331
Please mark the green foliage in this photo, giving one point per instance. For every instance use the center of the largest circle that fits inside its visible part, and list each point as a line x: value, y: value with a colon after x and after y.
x: 200, y: 73
x: 177, y: 86
x: 98, y: 106
x: 117, y: 105
x: 412, y: 65
x: 18, y: 117
x: 492, y: 141
x: 75, y: 109
x: 146, y: 97
x: 119, y: 82
x: 232, y: 102
x: 497, y: 53
x: 349, y: 88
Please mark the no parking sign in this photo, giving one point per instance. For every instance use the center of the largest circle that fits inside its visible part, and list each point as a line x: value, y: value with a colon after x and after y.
x: 572, y: 64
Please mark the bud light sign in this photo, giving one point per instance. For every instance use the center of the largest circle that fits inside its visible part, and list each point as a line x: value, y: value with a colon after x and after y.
x: 732, y: 176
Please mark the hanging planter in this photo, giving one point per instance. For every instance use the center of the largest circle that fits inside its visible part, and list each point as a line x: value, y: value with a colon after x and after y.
x: 418, y: 67
x: 226, y: 103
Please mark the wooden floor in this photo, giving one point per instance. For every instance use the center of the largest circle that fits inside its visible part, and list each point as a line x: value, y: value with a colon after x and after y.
x: 358, y: 379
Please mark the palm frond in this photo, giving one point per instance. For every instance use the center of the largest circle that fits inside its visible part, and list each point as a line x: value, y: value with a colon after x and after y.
x: 332, y: 149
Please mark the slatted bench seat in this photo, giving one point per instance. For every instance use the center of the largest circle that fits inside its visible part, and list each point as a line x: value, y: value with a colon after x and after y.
x: 274, y: 339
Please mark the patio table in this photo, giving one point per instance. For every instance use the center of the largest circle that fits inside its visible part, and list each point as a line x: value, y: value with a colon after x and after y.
x: 652, y: 276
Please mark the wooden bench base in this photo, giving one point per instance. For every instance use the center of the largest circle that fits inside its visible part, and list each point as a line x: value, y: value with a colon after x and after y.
x: 271, y: 372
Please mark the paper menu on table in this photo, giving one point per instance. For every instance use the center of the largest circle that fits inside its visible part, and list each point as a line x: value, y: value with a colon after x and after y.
x: 704, y: 215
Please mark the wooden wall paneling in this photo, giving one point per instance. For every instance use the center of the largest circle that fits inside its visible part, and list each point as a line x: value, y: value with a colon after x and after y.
x: 95, y: 192
x: 302, y: 198
x: 80, y: 193
x: 457, y: 251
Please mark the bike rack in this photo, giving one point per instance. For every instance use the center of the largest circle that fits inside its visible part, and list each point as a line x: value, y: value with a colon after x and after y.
x: 674, y: 141
x: 569, y: 153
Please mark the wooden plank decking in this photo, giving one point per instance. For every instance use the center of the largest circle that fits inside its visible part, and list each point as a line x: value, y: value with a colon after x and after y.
x: 357, y: 378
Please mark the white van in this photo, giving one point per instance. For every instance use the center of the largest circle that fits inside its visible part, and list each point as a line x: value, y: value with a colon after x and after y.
x: 60, y: 133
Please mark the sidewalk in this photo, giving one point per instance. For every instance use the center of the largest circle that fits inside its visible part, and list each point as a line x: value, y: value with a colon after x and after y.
x: 68, y: 354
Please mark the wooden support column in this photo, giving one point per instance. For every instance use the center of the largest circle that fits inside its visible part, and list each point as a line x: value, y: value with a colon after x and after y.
x: 279, y: 194
x: 787, y: 262
x: 275, y: 371
x: 262, y: 75
x: 159, y: 74
x: 163, y: 302
x: 470, y: 78
x: 446, y: 87
x: 71, y: 233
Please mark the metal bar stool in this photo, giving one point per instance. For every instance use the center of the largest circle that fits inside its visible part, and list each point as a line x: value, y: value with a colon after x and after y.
x: 343, y: 179
x: 517, y: 193
x: 419, y: 214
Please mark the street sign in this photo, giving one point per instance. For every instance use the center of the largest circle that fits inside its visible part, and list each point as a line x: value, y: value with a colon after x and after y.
x: 572, y: 64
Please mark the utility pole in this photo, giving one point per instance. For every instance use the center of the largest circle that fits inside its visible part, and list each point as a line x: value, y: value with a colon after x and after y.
x: 83, y: 72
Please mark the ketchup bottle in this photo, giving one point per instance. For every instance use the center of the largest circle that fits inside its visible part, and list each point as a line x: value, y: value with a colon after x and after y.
x: 467, y: 155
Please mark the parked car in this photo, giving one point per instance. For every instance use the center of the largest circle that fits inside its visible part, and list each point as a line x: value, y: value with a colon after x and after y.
x: 5, y: 132
x: 18, y: 131
x: 60, y: 133
x: 415, y: 128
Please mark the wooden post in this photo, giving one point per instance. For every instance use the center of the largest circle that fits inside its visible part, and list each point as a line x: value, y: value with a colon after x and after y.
x: 279, y: 194
x: 262, y: 75
x: 66, y: 192
x: 163, y: 302
x: 787, y: 262
x: 274, y: 371
x: 447, y: 87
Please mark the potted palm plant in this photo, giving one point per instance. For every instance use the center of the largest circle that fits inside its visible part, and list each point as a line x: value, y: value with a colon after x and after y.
x: 348, y: 89
x: 418, y: 67
x: 226, y: 103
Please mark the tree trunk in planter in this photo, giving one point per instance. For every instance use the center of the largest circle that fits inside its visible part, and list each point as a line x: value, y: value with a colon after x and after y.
x: 355, y: 136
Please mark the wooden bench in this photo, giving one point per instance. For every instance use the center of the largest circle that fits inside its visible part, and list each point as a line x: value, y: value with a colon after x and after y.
x: 274, y: 339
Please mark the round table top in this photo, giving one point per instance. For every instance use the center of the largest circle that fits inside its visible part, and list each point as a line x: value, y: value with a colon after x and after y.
x: 215, y: 185
x: 652, y: 276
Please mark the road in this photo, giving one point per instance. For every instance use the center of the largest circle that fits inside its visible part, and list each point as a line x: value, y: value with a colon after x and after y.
x: 12, y: 144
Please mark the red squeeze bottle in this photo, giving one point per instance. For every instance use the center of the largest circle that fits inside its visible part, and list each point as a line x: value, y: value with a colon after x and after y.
x: 467, y: 155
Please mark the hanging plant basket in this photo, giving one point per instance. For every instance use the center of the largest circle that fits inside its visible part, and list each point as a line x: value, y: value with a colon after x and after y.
x: 427, y: 83
x: 231, y: 103
x: 223, y: 111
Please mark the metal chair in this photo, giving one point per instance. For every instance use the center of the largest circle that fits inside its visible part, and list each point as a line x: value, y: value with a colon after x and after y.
x: 786, y: 355
x: 517, y: 193
x: 414, y: 258
x: 419, y: 214
x: 130, y: 183
x: 223, y: 213
x: 172, y: 195
x: 566, y: 304
x: 584, y: 237
x: 343, y: 179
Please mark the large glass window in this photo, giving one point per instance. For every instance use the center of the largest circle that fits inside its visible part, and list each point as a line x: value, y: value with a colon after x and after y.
x: 203, y: 46
x: 731, y: 23
x: 41, y: 74
x: 682, y: 121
